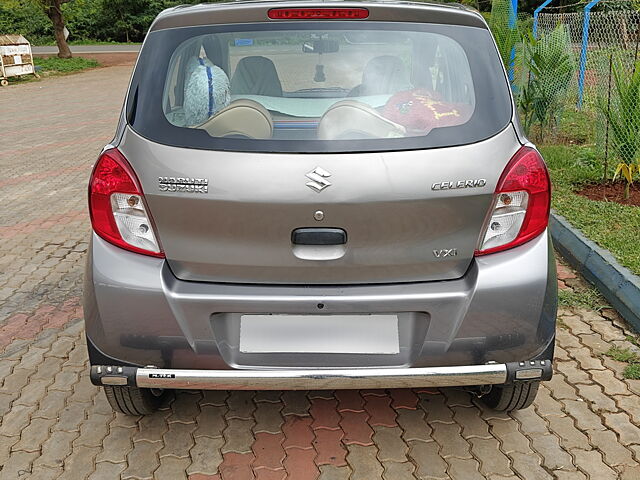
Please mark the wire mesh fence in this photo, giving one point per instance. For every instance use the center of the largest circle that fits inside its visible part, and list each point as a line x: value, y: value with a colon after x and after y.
x: 609, y: 32
x: 610, y: 81
x: 545, y: 79
x: 579, y: 59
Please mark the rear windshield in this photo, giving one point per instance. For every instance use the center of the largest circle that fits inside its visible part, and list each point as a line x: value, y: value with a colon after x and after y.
x: 319, y: 87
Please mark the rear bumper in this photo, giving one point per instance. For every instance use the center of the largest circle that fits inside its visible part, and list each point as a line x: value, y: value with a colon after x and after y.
x: 468, y: 375
x: 138, y: 313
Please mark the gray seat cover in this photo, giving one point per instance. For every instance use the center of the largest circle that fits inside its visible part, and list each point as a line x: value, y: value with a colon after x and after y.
x: 382, y: 75
x: 256, y: 76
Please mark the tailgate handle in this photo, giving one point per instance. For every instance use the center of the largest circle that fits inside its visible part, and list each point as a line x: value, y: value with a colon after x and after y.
x: 318, y: 236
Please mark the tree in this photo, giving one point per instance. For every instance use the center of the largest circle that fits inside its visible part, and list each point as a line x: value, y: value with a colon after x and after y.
x: 53, y: 10
x: 125, y: 20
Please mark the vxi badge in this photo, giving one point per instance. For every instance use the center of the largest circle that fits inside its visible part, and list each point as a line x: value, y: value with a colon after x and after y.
x: 478, y: 183
x: 445, y: 252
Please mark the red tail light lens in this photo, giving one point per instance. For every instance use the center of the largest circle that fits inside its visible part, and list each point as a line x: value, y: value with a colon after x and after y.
x: 117, y: 206
x: 520, y: 209
x: 318, y: 13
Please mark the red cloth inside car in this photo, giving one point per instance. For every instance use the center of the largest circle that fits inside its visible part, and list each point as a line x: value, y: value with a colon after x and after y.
x: 420, y: 110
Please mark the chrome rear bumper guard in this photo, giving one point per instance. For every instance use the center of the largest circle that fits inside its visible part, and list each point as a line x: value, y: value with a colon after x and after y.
x: 318, y: 379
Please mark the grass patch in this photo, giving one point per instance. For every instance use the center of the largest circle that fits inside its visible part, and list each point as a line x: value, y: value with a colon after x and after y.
x: 611, y: 225
x: 56, y: 66
x: 622, y: 355
x: 633, y: 340
x: 632, y: 370
x: 588, y: 299
x: 65, y: 65
x: 576, y: 127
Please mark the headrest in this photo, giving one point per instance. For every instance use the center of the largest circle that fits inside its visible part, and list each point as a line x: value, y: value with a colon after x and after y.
x: 348, y: 120
x: 242, y: 118
x: 206, y: 92
x: 256, y: 76
x: 383, y: 75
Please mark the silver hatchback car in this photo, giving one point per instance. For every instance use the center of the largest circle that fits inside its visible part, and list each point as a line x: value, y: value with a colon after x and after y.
x: 319, y: 195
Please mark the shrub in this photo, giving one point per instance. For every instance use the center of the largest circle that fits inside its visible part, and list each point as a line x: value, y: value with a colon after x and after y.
x: 548, y: 66
x: 622, y: 113
x: 505, y: 34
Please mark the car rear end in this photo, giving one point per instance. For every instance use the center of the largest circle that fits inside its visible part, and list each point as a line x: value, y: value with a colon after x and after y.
x: 320, y: 196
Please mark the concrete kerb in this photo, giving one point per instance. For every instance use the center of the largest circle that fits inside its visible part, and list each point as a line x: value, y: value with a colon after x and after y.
x: 616, y: 283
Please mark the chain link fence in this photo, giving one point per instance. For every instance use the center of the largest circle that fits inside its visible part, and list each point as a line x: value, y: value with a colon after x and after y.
x: 610, y: 32
x: 610, y: 83
x: 546, y: 80
x: 541, y: 70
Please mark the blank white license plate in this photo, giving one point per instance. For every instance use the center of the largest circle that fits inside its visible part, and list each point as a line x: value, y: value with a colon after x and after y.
x: 372, y: 334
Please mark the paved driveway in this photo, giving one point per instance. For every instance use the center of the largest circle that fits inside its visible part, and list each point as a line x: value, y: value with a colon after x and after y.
x: 55, y: 424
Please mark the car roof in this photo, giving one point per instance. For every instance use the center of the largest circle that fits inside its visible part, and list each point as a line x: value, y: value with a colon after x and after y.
x: 256, y: 12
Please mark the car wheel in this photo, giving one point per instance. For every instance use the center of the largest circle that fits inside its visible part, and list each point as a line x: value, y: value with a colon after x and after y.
x: 134, y: 400
x: 506, y: 398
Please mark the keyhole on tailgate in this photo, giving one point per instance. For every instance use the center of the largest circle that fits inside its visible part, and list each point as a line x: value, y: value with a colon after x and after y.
x: 321, y: 306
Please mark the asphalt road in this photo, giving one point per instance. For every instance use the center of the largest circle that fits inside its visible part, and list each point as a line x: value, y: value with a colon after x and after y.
x: 89, y: 49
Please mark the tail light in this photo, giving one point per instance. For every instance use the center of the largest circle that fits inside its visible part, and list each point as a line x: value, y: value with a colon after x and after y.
x: 117, y: 206
x: 520, y: 210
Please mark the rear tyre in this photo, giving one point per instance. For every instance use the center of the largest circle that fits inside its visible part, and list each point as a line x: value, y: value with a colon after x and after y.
x: 134, y: 400
x: 506, y: 398
x: 4, y: 82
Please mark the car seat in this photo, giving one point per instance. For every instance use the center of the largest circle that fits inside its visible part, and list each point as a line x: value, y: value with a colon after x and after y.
x: 382, y: 75
x: 256, y: 76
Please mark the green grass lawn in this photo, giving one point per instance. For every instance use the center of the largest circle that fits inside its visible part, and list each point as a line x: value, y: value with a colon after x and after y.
x: 611, y: 225
x: 65, y: 65
x: 56, y: 66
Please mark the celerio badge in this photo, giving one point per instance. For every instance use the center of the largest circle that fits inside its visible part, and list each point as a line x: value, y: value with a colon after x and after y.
x: 477, y: 183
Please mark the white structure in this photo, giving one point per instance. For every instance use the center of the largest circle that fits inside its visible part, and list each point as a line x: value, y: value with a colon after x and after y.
x: 15, y: 58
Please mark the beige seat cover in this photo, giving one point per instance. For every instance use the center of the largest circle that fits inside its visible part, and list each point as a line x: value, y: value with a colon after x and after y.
x: 350, y: 119
x: 245, y: 118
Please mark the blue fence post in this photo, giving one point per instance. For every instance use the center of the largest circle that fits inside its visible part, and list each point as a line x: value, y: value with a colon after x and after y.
x: 513, y: 15
x: 536, y: 12
x: 583, y: 51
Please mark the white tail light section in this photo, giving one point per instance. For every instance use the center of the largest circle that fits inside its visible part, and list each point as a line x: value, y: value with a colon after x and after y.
x: 520, y: 210
x: 133, y: 222
x: 505, y: 224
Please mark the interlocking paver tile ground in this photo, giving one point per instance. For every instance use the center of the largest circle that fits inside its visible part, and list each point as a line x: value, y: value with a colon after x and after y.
x: 55, y: 424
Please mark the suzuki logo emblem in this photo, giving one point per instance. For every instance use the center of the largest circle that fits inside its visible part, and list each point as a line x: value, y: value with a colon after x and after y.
x: 318, y: 177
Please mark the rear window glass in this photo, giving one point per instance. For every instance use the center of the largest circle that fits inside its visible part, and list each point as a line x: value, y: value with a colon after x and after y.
x: 318, y: 87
